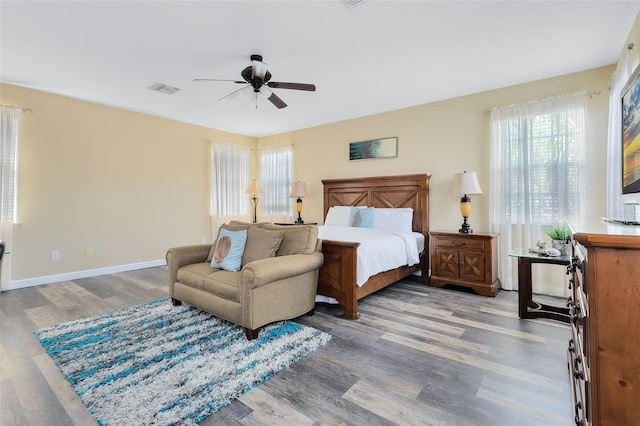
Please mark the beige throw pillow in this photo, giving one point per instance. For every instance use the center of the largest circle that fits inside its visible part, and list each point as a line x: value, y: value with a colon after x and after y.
x: 261, y: 244
x: 298, y: 239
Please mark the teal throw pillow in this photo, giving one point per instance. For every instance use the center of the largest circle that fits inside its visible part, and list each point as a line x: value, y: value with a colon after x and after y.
x: 361, y: 218
x: 229, y: 250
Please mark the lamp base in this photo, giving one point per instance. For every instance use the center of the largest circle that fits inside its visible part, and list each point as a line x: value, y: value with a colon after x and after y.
x: 254, y: 205
x: 466, y: 228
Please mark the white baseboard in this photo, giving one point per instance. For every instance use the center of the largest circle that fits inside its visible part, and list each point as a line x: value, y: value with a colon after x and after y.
x: 48, y: 279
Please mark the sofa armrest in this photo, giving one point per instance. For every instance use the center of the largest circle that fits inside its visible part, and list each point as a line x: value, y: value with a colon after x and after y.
x: 264, y: 271
x: 177, y: 257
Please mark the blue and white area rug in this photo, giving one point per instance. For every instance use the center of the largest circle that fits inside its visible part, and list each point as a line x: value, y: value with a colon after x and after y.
x: 161, y: 364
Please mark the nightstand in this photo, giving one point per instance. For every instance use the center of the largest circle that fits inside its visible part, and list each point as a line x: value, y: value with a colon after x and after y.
x: 469, y: 260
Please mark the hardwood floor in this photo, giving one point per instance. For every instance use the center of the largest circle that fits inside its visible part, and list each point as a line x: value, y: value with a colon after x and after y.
x: 418, y: 356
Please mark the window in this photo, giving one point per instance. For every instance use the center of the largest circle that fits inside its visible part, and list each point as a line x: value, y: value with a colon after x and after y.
x: 536, y: 174
x: 9, y: 137
x: 275, y: 177
x: 10, y: 125
x: 230, y: 172
x: 544, y: 165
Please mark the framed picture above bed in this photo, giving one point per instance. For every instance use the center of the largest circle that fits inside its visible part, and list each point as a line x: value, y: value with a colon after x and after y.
x: 375, y: 148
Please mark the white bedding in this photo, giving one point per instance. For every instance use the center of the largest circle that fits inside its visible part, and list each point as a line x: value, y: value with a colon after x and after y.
x: 379, y: 250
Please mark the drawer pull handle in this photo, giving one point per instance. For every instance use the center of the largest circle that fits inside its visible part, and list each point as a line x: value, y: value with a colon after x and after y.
x: 576, y: 362
x: 455, y: 243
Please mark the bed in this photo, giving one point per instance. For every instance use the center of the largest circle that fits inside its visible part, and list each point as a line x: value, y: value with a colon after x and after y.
x: 338, y: 275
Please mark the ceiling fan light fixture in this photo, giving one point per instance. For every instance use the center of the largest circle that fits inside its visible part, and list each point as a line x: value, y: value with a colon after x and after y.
x: 257, y: 80
x: 266, y: 91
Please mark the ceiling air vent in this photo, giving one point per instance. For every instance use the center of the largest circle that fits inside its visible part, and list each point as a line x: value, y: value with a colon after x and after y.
x: 352, y: 3
x: 163, y: 88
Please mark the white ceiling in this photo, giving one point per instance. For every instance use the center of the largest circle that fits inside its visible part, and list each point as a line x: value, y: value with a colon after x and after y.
x: 376, y: 57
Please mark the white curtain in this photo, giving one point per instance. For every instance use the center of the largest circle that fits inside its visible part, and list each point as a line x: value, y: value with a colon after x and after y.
x: 276, y: 165
x: 536, y: 179
x: 230, y: 174
x: 626, y: 65
x: 10, y: 133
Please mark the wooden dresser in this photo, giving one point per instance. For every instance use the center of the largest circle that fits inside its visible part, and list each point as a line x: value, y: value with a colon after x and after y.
x: 469, y: 260
x: 604, y: 351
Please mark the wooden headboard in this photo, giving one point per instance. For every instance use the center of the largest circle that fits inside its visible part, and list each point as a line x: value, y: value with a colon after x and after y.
x: 383, y: 191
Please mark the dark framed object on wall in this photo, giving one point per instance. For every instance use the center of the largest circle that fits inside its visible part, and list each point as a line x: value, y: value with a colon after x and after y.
x: 375, y: 148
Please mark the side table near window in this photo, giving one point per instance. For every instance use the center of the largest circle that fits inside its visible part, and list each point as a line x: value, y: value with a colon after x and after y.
x: 293, y: 223
x: 527, y: 307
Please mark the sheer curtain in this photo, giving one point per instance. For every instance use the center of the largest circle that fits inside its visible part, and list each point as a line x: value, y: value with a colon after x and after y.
x: 276, y: 164
x: 626, y: 65
x: 230, y: 173
x: 536, y: 179
x: 10, y: 133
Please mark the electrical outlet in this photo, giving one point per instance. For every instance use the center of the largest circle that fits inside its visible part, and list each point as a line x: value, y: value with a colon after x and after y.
x: 204, y: 240
x: 88, y: 252
x: 55, y: 255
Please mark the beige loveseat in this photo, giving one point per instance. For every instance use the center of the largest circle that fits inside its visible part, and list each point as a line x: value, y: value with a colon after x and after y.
x: 265, y: 290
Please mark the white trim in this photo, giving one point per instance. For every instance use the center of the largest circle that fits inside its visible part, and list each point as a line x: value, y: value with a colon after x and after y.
x: 48, y: 279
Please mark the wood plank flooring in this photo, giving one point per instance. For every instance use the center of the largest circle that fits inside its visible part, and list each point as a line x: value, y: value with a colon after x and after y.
x: 418, y: 356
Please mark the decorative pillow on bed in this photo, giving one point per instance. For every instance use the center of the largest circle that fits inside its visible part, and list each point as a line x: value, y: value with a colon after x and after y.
x: 229, y: 250
x: 361, y: 217
x: 340, y: 215
x: 261, y: 244
x: 398, y: 220
x: 231, y: 226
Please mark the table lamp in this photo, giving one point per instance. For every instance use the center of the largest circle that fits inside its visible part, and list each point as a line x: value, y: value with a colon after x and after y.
x: 299, y: 191
x: 254, y: 189
x: 465, y: 184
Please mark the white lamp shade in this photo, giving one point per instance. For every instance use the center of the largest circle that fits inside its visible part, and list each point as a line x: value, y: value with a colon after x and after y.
x: 466, y: 184
x: 254, y: 187
x: 298, y: 190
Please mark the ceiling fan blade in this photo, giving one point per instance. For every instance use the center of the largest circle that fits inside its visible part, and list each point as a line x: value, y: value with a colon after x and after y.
x: 275, y: 100
x: 199, y: 80
x: 294, y: 86
x: 234, y: 93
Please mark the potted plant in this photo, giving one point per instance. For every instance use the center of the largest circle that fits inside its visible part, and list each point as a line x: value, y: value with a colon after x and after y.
x: 560, y: 235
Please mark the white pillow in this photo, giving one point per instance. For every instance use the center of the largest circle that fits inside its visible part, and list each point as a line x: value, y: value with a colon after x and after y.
x: 339, y: 216
x: 398, y: 220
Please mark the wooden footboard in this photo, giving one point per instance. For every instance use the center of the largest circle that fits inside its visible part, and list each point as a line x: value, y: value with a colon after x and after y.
x: 338, y: 275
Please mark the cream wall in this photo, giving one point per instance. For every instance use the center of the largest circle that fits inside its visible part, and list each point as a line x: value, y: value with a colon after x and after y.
x: 124, y: 184
x: 443, y: 138
x: 129, y: 185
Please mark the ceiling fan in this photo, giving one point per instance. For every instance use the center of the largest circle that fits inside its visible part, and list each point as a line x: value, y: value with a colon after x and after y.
x: 257, y: 80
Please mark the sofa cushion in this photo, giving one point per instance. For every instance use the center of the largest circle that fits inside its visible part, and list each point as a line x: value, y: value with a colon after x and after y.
x: 261, y: 244
x: 229, y: 250
x: 230, y: 227
x: 224, y: 284
x: 212, y: 280
x: 298, y: 239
